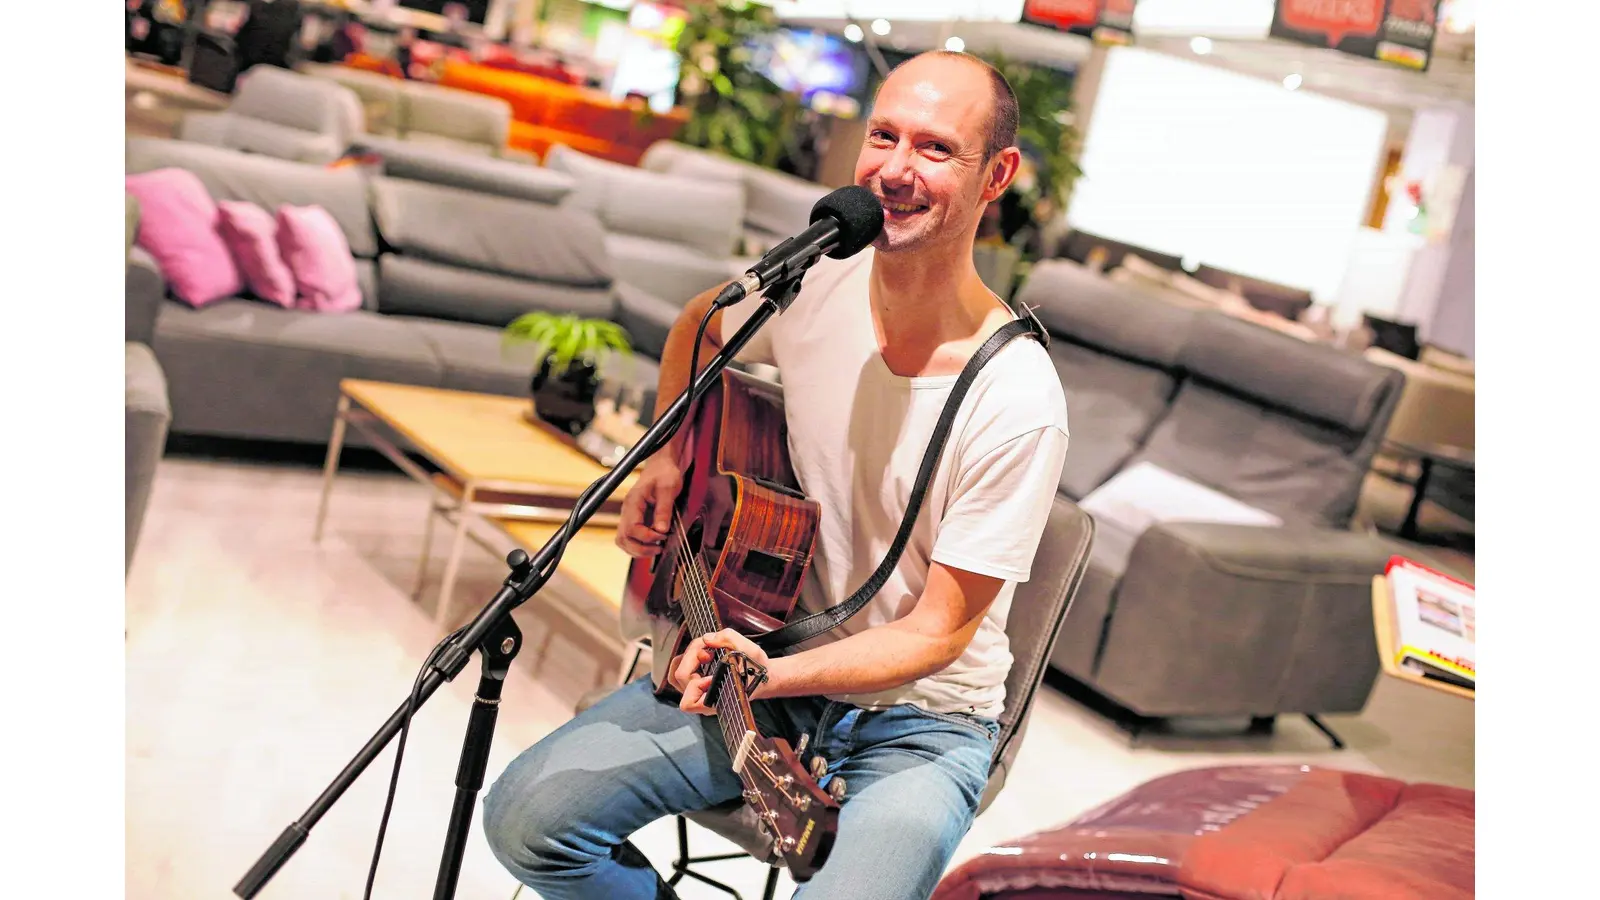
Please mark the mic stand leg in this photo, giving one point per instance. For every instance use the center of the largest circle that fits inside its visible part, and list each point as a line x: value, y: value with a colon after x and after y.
x: 496, y: 651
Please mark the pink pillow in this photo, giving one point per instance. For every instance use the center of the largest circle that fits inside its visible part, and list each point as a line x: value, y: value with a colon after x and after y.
x: 252, y: 236
x: 178, y: 226
x: 317, y: 253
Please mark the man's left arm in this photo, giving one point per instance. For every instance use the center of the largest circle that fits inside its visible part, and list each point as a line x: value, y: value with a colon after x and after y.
x: 988, y: 536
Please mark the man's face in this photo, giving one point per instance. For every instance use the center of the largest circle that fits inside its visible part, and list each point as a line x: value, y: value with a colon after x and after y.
x: 923, y: 155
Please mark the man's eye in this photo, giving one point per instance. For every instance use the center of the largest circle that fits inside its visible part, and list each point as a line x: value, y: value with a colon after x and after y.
x: 940, y: 149
x: 883, y: 136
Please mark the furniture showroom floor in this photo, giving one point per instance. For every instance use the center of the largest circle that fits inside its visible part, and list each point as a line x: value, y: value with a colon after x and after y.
x: 258, y: 663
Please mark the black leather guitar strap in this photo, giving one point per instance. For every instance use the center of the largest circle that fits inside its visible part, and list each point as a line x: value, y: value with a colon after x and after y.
x: 804, y: 629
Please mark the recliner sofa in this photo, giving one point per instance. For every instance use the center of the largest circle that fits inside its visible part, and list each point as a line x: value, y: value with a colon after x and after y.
x: 1205, y: 619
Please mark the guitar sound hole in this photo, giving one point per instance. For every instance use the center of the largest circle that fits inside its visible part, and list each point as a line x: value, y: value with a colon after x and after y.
x: 763, y: 565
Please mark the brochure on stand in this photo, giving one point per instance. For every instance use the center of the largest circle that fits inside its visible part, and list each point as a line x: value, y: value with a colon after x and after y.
x: 1435, y: 622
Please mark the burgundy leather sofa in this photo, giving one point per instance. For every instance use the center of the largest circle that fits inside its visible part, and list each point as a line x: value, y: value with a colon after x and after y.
x: 1258, y: 832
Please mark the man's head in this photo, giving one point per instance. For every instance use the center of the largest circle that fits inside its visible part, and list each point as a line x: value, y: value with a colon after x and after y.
x: 940, y: 147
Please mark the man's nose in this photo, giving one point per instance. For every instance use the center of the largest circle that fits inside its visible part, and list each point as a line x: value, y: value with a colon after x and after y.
x: 897, y: 168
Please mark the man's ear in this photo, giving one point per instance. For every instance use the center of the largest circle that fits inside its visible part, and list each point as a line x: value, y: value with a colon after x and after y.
x: 1006, y: 164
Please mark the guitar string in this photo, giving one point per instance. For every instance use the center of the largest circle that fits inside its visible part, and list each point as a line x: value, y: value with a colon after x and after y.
x: 699, y: 585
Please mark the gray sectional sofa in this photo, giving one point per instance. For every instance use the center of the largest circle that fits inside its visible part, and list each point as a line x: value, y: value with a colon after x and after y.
x: 1204, y: 619
x: 442, y: 271
x: 146, y: 410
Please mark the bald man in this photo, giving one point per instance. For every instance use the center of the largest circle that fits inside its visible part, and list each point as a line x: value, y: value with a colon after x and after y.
x: 903, y: 699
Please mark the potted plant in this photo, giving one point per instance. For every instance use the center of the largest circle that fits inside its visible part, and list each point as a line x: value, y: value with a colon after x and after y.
x: 571, y: 352
x: 734, y: 109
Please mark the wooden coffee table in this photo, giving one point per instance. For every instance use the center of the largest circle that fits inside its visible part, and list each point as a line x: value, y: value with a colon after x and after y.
x: 496, y: 471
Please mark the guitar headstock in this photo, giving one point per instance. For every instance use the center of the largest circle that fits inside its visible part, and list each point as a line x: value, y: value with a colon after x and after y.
x: 798, y: 815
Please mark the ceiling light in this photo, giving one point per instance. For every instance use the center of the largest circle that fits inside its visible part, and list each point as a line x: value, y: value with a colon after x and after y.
x: 1292, y: 81
x: 1200, y: 45
x: 955, y: 44
x: 853, y: 32
x: 880, y: 27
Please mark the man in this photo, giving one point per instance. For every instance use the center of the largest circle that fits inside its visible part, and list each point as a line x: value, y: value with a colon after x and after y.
x: 901, y: 700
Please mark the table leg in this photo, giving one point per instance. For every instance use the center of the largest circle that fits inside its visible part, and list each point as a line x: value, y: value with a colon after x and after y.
x: 1408, y: 528
x: 453, y: 562
x: 331, y: 465
x: 427, y: 547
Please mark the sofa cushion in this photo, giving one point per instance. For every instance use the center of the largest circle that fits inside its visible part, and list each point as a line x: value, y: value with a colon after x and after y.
x: 295, y: 100
x: 325, y: 277
x: 1117, y: 401
x: 498, y: 235
x: 675, y: 273
x: 474, y: 358
x: 460, y: 115
x: 1143, y: 495
x: 252, y: 237
x: 646, y: 318
x: 425, y: 161
x: 1305, y: 472
x: 707, y: 215
x: 1093, y: 311
x: 239, y: 367
x: 419, y: 287
x: 1423, y: 850
x: 179, y: 228
x: 1282, y: 847
x: 267, y: 182
x: 1310, y: 380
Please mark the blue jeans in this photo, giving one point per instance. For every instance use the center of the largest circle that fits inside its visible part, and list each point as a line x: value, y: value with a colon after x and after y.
x: 559, y: 817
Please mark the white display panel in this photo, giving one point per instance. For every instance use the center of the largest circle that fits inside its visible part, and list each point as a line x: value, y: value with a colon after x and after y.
x: 1232, y: 171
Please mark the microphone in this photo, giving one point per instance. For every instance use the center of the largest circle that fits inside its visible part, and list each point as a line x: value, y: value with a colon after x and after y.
x: 842, y: 225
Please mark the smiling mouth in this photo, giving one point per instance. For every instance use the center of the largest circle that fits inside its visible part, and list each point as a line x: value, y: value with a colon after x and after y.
x: 902, y: 209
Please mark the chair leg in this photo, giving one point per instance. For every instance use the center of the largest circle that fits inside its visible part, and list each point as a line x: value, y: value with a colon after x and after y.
x: 681, y: 865
x: 772, y: 883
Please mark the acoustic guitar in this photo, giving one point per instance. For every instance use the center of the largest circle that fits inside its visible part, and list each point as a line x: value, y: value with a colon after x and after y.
x: 741, y: 541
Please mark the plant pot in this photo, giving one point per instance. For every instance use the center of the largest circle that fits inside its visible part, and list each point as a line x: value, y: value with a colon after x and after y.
x: 566, y: 401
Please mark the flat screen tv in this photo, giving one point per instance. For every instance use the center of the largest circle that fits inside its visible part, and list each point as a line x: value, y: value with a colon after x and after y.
x: 828, y: 72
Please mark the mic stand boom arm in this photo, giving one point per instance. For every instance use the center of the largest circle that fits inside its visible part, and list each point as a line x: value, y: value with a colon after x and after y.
x: 493, y: 632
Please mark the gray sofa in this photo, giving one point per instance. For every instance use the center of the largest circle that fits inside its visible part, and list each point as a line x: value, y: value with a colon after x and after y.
x: 283, y: 114
x: 677, y: 234
x: 1203, y: 619
x: 442, y: 271
x: 146, y: 412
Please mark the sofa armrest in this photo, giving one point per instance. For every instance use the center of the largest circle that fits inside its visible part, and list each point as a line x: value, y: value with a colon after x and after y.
x: 1212, y: 620
x: 146, y: 288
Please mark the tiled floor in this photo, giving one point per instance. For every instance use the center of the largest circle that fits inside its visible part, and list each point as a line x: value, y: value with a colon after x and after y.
x: 258, y: 663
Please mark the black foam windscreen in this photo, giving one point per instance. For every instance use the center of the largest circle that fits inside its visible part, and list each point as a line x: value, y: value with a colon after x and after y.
x: 860, y: 218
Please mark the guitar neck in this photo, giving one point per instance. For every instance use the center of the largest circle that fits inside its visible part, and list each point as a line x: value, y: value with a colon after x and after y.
x: 733, y: 703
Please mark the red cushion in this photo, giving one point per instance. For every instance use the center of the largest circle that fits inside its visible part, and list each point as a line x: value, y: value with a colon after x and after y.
x: 1250, y: 857
x: 1421, y: 850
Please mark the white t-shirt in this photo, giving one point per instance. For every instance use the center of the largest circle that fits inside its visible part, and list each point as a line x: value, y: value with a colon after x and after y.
x: 857, y: 435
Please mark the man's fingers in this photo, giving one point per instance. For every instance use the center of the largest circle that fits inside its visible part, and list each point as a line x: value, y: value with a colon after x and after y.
x: 666, y: 495
x: 694, y: 697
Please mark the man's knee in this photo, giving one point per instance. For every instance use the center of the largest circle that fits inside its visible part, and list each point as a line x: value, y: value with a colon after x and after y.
x: 537, y: 827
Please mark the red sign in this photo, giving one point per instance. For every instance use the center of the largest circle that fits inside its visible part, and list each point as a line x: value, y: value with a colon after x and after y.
x: 1395, y: 31
x: 1105, y: 21
x: 1066, y: 15
x: 1334, y: 18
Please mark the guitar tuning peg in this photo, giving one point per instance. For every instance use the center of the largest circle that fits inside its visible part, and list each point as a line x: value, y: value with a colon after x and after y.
x: 819, y: 767
x: 800, y: 748
x: 836, y: 789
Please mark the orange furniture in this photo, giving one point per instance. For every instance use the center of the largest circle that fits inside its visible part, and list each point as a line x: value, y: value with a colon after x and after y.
x: 546, y: 112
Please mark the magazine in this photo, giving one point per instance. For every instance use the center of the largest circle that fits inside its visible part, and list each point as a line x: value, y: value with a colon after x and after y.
x: 1435, y: 622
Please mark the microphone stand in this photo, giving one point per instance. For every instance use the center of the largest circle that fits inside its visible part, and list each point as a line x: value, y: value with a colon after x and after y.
x: 495, y: 635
